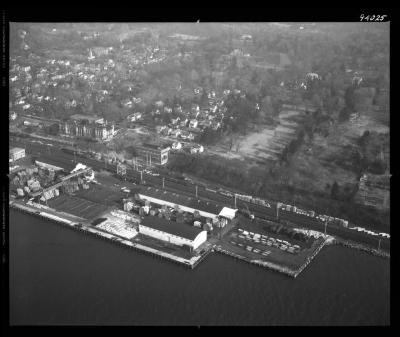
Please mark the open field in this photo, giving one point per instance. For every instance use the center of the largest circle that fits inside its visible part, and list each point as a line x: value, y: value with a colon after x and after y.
x: 76, y: 206
x: 312, y: 171
x: 102, y: 195
x: 264, y: 144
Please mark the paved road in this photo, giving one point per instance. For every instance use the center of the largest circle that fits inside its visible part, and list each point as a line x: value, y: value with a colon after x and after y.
x: 55, y: 154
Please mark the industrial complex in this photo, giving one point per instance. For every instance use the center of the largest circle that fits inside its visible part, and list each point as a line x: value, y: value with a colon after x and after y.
x: 175, y: 225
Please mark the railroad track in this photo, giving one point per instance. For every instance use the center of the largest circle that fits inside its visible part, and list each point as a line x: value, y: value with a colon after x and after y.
x: 262, y: 212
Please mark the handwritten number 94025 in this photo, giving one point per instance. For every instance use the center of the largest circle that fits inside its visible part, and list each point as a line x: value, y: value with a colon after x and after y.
x: 375, y: 18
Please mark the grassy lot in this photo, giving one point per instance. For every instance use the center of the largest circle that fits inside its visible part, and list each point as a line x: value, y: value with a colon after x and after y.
x: 261, y: 145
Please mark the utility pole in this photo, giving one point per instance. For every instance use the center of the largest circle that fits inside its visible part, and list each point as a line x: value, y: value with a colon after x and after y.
x: 277, y: 212
x: 163, y: 179
x: 379, y: 244
x: 235, y: 200
x: 196, y: 191
x: 141, y: 176
x: 326, y: 222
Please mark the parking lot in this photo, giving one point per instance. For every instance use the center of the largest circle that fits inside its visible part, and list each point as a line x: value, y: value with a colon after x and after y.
x: 258, y: 246
x: 259, y: 243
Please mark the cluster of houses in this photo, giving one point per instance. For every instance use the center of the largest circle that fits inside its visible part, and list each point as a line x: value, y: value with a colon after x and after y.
x: 55, y: 79
x: 190, y: 123
x: 146, y: 55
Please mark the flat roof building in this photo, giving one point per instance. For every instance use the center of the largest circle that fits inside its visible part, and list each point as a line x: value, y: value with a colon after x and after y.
x: 48, y: 161
x: 228, y: 213
x: 89, y: 118
x: 16, y: 153
x: 173, y: 232
x: 153, y: 154
x: 48, y: 166
x: 87, y: 126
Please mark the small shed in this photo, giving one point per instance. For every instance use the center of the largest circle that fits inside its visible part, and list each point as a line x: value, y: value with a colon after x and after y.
x: 228, y: 213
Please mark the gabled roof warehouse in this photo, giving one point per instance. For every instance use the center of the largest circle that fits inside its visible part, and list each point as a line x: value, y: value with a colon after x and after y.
x: 196, y: 204
x: 171, y: 227
x: 67, y: 166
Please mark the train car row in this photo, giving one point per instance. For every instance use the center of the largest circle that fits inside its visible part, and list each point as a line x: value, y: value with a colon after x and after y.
x: 340, y: 231
x: 312, y: 214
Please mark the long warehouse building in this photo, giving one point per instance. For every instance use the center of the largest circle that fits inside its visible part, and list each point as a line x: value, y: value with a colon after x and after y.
x: 173, y: 232
x: 206, y: 209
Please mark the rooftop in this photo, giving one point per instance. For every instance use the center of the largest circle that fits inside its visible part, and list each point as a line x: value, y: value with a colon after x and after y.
x: 16, y: 149
x: 179, y: 199
x: 171, y: 227
x: 79, y: 117
x: 228, y: 213
x: 153, y: 146
x: 67, y: 166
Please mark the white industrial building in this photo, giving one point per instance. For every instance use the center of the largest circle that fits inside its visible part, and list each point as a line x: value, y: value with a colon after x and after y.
x: 173, y: 232
x: 48, y: 166
x: 226, y: 214
x: 218, y: 214
x: 186, y: 204
x: 16, y: 153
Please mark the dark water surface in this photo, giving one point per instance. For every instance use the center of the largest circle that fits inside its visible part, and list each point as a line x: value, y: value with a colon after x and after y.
x: 59, y: 276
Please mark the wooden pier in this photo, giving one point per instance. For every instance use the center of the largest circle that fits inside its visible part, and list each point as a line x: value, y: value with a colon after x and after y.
x: 113, y: 238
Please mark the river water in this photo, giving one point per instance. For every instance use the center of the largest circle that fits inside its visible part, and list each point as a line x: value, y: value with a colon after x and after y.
x: 59, y: 276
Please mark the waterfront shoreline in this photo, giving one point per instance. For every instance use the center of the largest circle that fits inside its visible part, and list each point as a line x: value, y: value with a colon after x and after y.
x: 274, y: 266
x: 89, y: 267
x: 361, y: 247
x: 192, y: 263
